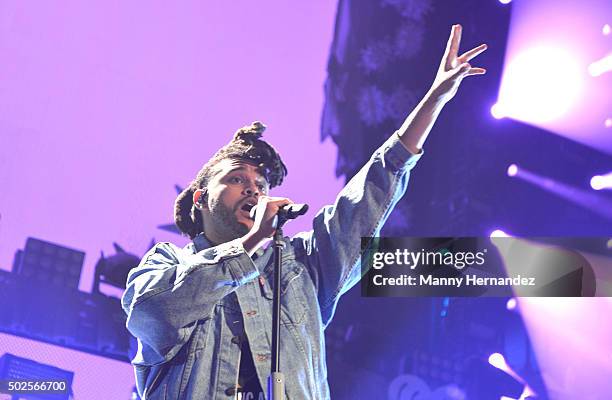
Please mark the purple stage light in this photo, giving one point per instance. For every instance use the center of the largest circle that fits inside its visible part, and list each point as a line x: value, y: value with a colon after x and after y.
x: 547, y: 81
x: 512, y: 170
x: 511, y: 304
x: 498, y: 361
x: 505, y: 1
x: 571, y: 340
x: 599, y: 182
x: 531, y: 89
x: 498, y: 233
x: 497, y: 111
x: 500, y: 240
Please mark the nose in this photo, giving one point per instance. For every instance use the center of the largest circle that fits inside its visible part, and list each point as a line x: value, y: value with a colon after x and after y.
x: 251, y: 190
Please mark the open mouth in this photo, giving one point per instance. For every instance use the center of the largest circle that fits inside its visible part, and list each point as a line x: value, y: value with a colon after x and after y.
x: 247, y: 206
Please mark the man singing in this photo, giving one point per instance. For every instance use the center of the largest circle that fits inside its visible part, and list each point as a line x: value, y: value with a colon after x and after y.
x: 203, y: 314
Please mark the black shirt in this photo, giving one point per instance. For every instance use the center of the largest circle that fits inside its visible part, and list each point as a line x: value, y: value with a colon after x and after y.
x: 248, y: 383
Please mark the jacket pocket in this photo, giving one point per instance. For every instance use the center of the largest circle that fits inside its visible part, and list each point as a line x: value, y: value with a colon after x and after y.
x: 293, y: 303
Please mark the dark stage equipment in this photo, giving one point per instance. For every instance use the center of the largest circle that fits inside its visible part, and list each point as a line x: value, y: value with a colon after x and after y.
x: 93, y: 323
x: 49, y: 263
x: 113, y: 270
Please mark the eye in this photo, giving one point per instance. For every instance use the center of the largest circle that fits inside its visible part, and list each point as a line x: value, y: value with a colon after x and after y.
x: 236, y: 179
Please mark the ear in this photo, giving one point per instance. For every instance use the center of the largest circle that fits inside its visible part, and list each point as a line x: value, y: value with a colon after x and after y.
x: 199, y: 199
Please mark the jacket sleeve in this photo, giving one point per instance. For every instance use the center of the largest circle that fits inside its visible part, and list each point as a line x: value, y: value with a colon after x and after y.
x: 169, y: 291
x: 333, y: 246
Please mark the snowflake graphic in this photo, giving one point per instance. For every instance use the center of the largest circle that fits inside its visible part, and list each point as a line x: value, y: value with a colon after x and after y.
x: 375, y: 106
x: 372, y: 105
x: 408, y: 40
x: 376, y: 55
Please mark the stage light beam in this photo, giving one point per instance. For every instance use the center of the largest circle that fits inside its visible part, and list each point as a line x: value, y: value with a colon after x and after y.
x: 601, y: 66
x: 581, y: 196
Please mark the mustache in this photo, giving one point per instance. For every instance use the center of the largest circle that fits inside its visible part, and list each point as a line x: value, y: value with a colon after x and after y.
x: 242, y: 202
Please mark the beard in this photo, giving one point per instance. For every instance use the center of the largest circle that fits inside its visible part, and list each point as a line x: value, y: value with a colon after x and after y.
x: 226, y: 224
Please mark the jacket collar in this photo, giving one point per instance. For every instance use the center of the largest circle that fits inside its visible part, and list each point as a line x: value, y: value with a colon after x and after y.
x: 201, y: 242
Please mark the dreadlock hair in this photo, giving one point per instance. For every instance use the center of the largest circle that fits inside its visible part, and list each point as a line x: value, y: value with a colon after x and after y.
x: 246, y: 145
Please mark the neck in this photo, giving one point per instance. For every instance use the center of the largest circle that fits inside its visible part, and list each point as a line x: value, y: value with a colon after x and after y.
x: 212, y: 237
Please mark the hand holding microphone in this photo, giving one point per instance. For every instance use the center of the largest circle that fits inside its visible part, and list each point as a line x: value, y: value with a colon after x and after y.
x: 288, y: 211
x: 277, y: 208
x: 266, y: 215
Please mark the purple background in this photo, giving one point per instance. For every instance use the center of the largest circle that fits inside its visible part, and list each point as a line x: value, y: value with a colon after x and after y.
x: 104, y: 106
x: 107, y: 105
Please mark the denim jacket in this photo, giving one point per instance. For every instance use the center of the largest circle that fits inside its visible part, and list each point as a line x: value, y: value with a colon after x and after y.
x: 191, y: 307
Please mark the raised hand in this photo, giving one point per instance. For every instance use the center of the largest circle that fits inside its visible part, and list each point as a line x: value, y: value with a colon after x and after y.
x: 454, y: 68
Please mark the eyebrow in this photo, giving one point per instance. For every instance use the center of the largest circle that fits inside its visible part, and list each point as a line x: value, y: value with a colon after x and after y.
x: 242, y: 168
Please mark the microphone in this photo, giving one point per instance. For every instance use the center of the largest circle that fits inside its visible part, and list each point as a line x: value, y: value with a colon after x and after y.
x: 286, y: 212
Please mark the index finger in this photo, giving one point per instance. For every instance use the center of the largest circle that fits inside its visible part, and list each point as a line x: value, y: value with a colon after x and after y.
x: 468, y: 55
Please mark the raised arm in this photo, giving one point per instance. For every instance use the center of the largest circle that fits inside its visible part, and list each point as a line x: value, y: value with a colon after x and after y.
x: 333, y: 247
